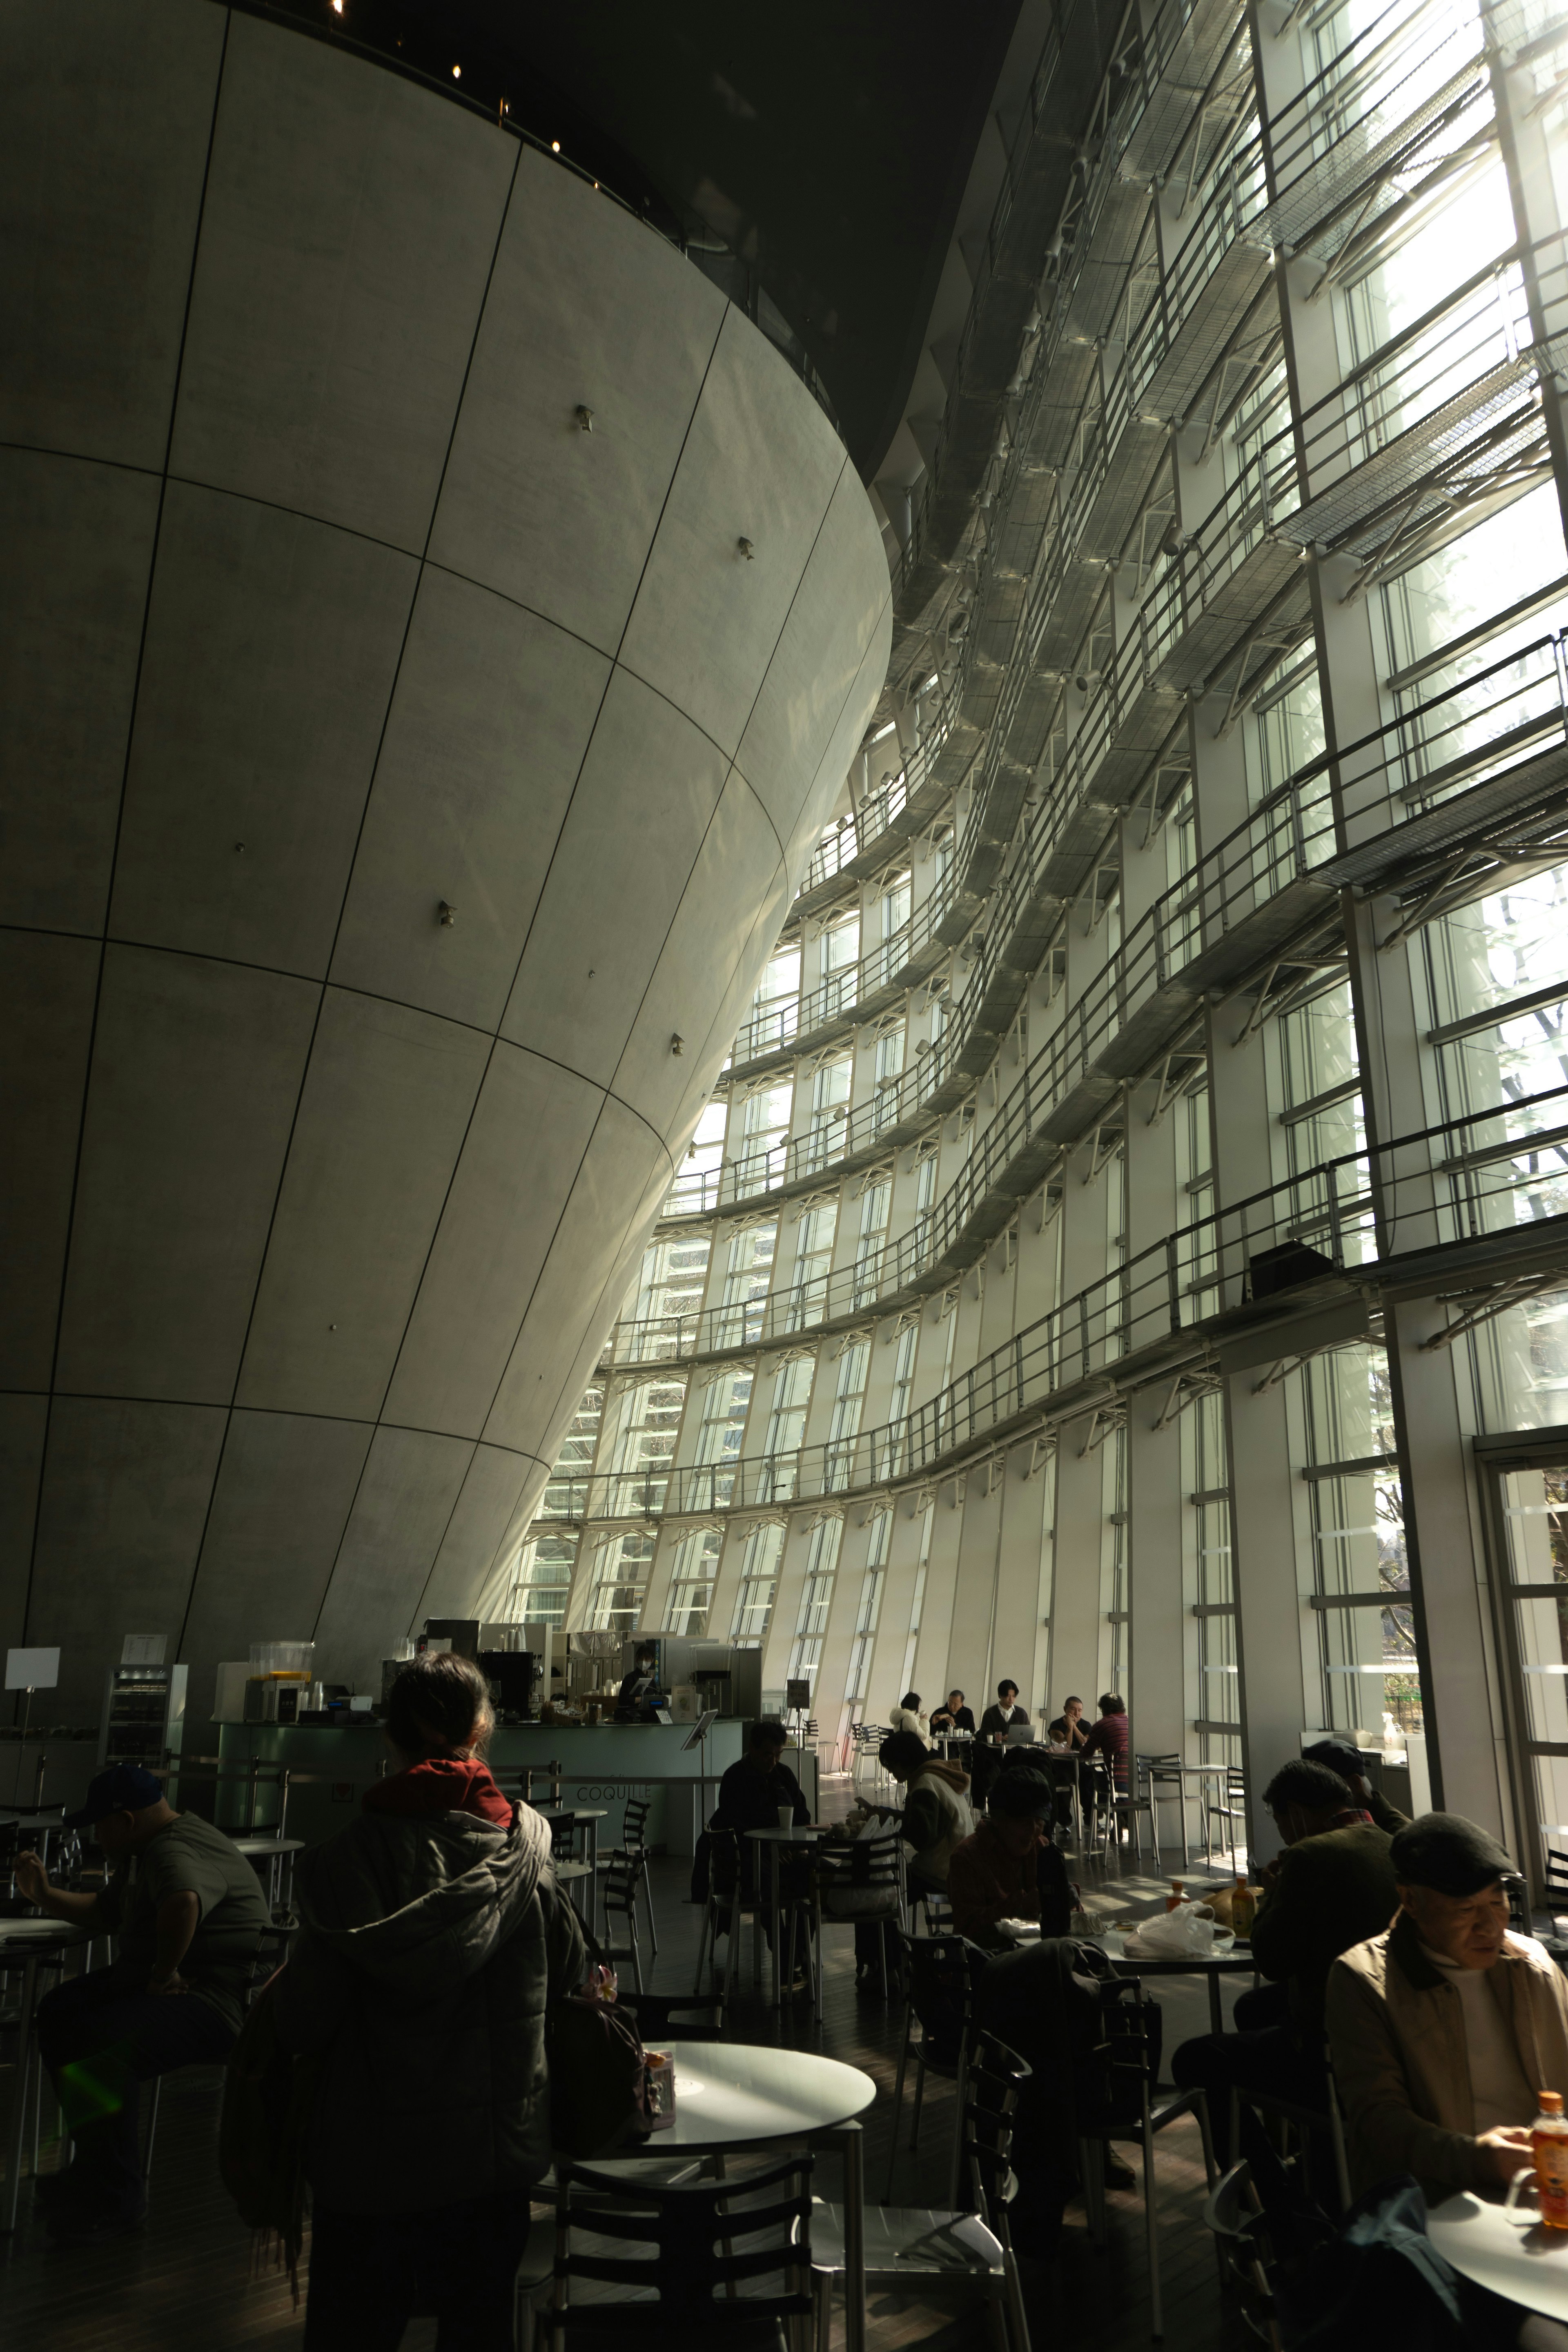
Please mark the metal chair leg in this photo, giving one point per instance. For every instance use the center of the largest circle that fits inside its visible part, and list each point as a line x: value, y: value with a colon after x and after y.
x: 1151, y: 2221
x: 898, y: 2109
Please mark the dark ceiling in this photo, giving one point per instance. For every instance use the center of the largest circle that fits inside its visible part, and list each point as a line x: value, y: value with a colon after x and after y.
x: 826, y: 142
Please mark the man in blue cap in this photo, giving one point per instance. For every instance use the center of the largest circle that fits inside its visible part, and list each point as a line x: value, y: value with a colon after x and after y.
x: 189, y: 1912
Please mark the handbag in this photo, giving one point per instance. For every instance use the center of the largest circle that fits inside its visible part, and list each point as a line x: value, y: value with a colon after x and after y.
x: 599, y: 2093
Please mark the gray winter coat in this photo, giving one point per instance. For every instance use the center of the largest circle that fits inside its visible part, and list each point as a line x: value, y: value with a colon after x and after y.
x: 429, y: 1951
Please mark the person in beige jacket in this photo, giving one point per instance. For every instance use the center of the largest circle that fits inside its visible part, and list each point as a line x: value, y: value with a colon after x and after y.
x: 1445, y: 2029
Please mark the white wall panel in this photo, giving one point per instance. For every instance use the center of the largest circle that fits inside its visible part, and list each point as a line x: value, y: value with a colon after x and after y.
x: 126, y: 1488
x: 109, y: 109
x: 284, y: 1493
x: 757, y: 464
x: 48, y: 986
x: 521, y: 1160
x: 272, y: 645
x: 406, y: 1495
x: 642, y: 804
x: 75, y: 544
x: 384, y: 1109
x: 486, y: 736
x: 585, y: 310
x: 348, y: 230
x: 195, y: 1075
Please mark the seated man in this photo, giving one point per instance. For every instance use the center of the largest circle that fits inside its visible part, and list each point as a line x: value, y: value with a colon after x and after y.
x: 1009, y: 1869
x: 189, y: 1917
x: 1069, y: 1729
x: 1334, y: 1880
x: 1448, y: 1978
x: 1349, y: 1763
x: 1107, y: 1736
x: 995, y: 1725
x: 751, y: 1793
x: 953, y: 1716
x: 1005, y: 1715
x: 937, y: 1812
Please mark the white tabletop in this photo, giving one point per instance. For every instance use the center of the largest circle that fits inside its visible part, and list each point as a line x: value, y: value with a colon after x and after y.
x: 797, y: 1836
x: 578, y: 1813
x: 1510, y: 2252
x: 40, y: 1931
x: 250, y: 1846
x: 733, y: 2094
x: 1226, y: 1953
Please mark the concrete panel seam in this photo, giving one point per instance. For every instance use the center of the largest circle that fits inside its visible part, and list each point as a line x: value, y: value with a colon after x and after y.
x: 120, y: 817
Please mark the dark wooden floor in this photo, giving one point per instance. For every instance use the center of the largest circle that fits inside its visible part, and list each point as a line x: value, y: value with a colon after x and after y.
x: 188, y: 2279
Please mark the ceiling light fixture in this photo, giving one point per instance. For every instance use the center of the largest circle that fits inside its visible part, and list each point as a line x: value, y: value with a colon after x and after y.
x: 555, y: 146
x: 457, y: 73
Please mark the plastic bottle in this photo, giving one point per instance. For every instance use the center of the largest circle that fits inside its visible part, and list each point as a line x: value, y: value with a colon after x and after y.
x: 1177, y: 1895
x: 1549, y: 2140
x: 1243, y: 1909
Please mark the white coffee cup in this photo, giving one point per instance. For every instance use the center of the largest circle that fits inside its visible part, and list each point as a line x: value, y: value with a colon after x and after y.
x: 786, y: 1817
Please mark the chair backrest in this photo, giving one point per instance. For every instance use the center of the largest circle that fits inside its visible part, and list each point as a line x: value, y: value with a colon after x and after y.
x: 866, y: 1862
x: 634, y: 1823
x: 1556, y: 1871
x: 941, y: 1972
x: 1128, y: 2021
x: 620, y: 1883
x: 723, y: 1862
x: 677, y: 2016
x: 698, y: 2247
x: 992, y: 2084
x: 563, y: 1837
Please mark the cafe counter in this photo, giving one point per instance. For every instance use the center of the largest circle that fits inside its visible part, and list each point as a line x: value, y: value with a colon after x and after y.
x: 235, y: 1773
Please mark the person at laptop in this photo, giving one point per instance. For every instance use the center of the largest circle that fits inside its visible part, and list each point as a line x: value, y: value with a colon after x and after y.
x: 1005, y: 1715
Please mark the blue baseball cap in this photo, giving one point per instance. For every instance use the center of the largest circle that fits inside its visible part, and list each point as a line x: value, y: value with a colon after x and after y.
x: 123, y: 1789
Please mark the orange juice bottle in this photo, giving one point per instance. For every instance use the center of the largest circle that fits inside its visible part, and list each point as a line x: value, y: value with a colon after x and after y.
x: 1549, y: 2140
x: 1177, y: 1895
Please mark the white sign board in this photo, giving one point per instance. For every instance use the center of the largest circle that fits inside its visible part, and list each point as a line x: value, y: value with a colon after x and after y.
x: 32, y: 1669
x: 143, y: 1648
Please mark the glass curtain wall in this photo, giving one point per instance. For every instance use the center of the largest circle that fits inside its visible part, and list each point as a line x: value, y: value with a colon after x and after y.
x: 1276, y: 697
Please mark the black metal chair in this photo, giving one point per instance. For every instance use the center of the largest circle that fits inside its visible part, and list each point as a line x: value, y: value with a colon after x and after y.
x: 570, y: 1869
x: 964, y: 2247
x: 633, y: 1848
x: 1247, y: 2263
x: 1139, y: 2110
x: 941, y: 1973
x: 681, y: 2262
x: 1229, y: 1808
x: 860, y: 1886
x: 727, y: 1901
x: 619, y: 1894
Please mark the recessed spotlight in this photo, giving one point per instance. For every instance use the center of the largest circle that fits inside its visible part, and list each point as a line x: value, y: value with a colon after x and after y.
x: 555, y: 146
x: 457, y: 73
x: 337, y: 7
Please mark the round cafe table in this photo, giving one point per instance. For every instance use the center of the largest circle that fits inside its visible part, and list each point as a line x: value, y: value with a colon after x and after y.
x: 734, y: 2094
x: 1509, y: 2251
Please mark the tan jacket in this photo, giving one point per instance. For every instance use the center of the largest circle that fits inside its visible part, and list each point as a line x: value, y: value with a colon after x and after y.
x: 1397, y: 2034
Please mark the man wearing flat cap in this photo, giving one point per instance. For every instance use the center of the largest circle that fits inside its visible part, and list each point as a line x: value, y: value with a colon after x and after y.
x: 1445, y: 2030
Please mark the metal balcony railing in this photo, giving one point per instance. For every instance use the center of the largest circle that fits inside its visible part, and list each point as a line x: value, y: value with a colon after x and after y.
x: 1494, y: 743
x: 1480, y: 1174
